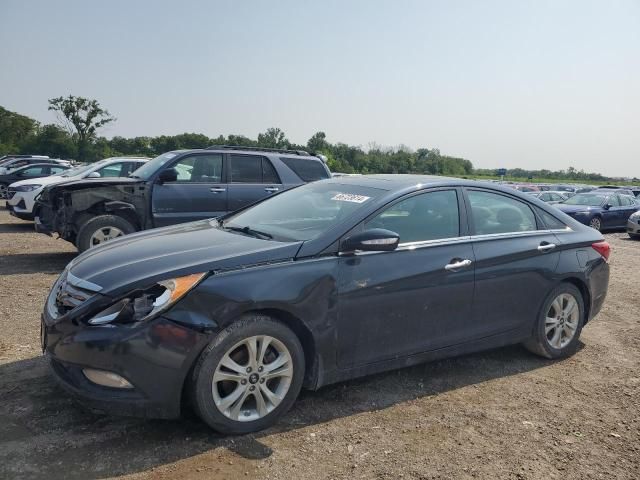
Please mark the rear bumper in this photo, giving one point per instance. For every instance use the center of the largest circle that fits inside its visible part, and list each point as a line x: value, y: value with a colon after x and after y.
x: 598, y: 286
x: 633, y: 227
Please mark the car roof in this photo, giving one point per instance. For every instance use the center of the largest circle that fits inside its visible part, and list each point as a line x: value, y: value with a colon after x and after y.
x: 252, y: 151
x: 31, y: 165
x: 400, y: 181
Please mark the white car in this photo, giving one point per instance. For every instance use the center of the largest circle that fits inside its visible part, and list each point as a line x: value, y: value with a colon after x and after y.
x: 13, y: 163
x: 21, y: 195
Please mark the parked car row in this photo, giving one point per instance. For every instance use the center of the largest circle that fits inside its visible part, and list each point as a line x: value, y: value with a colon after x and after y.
x: 281, y: 277
x: 601, y: 208
x: 10, y: 164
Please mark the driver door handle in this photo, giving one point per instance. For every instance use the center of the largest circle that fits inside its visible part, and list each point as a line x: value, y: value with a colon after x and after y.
x: 217, y: 190
x: 546, y: 247
x: 271, y: 189
x: 455, y: 265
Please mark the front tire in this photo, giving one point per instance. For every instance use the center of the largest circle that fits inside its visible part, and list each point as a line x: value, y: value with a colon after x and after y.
x: 559, y: 324
x: 4, y: 189
x: 249, y: 375
x: 596, y: 223
x: 101, y: 229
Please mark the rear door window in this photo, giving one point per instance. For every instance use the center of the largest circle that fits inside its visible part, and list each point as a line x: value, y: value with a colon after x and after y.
x: 626, y: 201
x: 269, y: 174
x: 307, y: 169
x: 35, y: 171
x: 429, y: 216
x: 57, y: 170
x: 246, y: 169
x: 493, y: 213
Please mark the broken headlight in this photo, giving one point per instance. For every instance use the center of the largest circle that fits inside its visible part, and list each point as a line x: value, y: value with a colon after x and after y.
x: 145, y: 304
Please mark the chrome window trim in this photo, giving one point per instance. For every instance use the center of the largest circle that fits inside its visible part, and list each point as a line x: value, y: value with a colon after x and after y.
x: 430, y: 243
x: 408, y: 246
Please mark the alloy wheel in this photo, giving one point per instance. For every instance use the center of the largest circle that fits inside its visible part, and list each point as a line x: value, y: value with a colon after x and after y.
x: 105, y: 234
x: 595, y: 223
x: 562, y: 320
x: 3, y: 191
x: 252, y: 378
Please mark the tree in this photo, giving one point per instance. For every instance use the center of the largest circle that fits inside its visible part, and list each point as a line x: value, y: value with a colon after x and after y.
x: 14, y: 129
x: 273, y: 138
x: 318, y: 143
x: 50, y: 140
x: 82, y: 117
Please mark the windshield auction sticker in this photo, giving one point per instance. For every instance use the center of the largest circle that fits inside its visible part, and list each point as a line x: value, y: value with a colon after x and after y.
x: 349, y: 197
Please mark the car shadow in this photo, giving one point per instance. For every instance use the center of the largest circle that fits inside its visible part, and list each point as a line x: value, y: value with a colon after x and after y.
x: 17, y: 227
x: 21, y: 263
x: 43, y: 432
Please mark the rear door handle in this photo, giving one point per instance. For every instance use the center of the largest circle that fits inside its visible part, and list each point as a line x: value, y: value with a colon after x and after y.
x: 217, y: 190
x: 271, y: 189
x: 453, y: 266
x: 546, y: 247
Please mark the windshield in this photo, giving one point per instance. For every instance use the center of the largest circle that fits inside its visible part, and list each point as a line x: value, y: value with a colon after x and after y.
x: 303, y: 213
x: 148, y: 169
x: 589, y: 199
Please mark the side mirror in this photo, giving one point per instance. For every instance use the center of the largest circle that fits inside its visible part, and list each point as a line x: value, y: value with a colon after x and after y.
x: 374, y: 240
x: 607, y: 206
x: 168, y: 175
x: 94, y: 175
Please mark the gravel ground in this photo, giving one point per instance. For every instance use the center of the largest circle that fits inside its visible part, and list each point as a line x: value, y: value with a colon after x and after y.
x: 499, y: 414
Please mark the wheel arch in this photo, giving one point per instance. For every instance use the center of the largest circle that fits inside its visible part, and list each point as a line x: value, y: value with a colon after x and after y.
x: 305, y: 336
x: 584, y: 291
x: 124, y: 210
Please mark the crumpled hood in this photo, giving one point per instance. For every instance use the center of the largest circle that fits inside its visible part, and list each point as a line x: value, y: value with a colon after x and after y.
x: 141, y: 259
x: 74, y: 183
x: 44, y: 181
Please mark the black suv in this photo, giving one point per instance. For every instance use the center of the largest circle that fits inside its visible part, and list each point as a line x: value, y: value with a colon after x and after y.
x: 176, y: 187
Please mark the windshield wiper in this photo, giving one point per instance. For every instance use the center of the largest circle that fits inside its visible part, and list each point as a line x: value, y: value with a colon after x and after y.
x: 131, y: 175
x: 250, y: 231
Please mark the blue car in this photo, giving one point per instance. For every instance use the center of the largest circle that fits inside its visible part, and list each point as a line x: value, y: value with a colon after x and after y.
x: 600, y: 209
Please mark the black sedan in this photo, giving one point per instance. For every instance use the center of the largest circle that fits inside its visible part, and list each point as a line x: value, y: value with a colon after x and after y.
x: 600, y: 209
x: 329, y: 281
x: 29, y: 171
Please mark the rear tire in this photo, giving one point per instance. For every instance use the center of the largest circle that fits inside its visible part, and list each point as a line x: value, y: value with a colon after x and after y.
x: 98, y: 230
x: 634, y: 236
x: 559, y: 323
x: 234, y: 394
x: 3, y: 190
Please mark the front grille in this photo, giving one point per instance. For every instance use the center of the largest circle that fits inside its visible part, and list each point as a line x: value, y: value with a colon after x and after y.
x: 68, y: 293
x: 69, y: 297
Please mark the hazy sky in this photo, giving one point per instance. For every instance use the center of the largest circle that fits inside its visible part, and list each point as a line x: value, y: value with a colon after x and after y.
x: 532, y: 84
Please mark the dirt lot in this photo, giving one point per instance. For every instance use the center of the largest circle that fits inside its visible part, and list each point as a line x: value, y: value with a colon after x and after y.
x: 500, y: 414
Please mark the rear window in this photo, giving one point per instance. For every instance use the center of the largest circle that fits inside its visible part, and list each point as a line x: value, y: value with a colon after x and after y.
x: 550, y: 222
x: 307, y: 170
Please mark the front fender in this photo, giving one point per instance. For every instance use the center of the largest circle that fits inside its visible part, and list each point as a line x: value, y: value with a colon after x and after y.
x: 304, y: 289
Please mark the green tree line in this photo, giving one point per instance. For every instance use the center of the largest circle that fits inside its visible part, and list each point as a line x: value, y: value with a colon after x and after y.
x: 75, y: 137
x: 21, y: 134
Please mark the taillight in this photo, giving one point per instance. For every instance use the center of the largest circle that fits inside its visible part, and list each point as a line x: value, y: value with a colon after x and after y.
x: 603, y: 248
